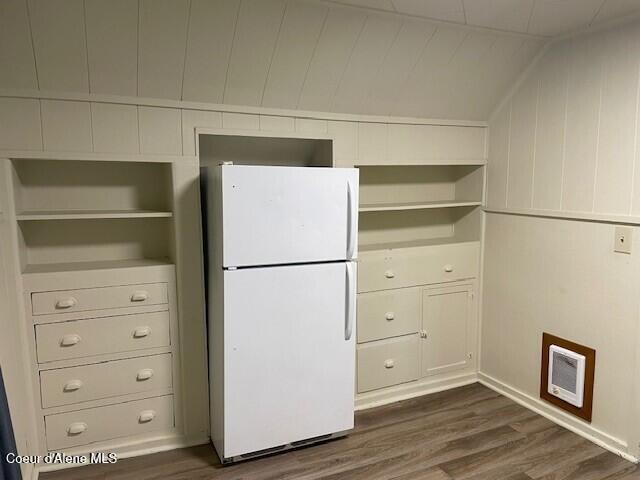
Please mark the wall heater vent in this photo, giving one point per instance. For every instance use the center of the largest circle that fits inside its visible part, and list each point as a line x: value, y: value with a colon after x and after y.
x: 567, y: 377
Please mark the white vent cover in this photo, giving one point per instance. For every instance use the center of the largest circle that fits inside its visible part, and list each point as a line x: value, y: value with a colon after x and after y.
x: 566, y: 375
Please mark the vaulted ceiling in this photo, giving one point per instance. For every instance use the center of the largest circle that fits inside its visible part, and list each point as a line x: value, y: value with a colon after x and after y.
x: 295, y: 54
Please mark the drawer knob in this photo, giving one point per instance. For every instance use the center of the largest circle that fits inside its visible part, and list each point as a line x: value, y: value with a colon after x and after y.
x: 389, y: 316
x: 64, y: 303
x: 146, y: 416
x: 448, y: 268
x: 141, y: 332
x: 389, y: 363
x: 139, y: 296
x: 389, y: 274
x: 145, y: 374
x: 70, y: 339
x: 77, y: 428
x: 72, y: 385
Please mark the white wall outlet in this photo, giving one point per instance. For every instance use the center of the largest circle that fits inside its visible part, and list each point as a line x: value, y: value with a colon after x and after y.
x: 623, y: 238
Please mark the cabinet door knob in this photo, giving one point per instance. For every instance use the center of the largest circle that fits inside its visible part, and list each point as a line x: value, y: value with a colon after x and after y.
x: 448, y: 268
x: 390, y: 363
x: 70, y: 339
x: 389, y: 274
x: 389, y: 316
x: 77, y: 428
x: 146, y: 416
x: 144, y: 374
x: 72, y: 385
x: 64, y: 303
x: 139, y: 296
x: 141, y: 332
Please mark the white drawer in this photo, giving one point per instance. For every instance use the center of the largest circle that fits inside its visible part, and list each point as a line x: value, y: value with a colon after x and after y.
x: 98, y: 336
x: 389, y: 313
x: 387, y: 362
x: 98, y: 298
x: 71, y: 429
x: 65, y: 386
x: 417, y: 266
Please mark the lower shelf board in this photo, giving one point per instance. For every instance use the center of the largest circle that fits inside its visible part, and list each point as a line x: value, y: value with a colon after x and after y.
x: 96, y: 265
x: 413, y: 243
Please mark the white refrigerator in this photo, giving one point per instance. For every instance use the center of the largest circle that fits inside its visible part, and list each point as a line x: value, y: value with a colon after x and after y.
x: 281, y: 288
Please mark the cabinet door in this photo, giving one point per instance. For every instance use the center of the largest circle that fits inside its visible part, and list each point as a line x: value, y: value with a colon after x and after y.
x: 446, y: 324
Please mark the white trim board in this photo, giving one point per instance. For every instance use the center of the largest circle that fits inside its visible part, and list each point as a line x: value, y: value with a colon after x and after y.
x: 579, y: 427
x: 216, y: 107
x: 426, y: 386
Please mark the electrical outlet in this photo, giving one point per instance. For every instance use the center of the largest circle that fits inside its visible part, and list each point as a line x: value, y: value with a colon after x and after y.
x: 623, y: 239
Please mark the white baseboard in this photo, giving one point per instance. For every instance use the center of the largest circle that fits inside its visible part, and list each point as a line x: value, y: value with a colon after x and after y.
x: 615, y: 445
x: 406, y: 391
x: 127, y: 450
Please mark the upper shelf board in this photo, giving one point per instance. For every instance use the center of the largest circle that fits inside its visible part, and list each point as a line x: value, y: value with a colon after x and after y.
x: 90, y: 214
x: 385, y: 207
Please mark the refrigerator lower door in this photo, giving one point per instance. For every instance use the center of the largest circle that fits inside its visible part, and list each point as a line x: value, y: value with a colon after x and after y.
x: 289, y: 365
x: 285, y: 215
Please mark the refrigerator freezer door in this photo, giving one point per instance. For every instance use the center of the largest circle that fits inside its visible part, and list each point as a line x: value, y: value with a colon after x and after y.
x: 289, y: 368
x: 285, y: 215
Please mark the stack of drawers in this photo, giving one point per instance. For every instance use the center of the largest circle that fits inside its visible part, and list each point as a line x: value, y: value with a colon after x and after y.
x: 392, y: 314
x: 104, y: 359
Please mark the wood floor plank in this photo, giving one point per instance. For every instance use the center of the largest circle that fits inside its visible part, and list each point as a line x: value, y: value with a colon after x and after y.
x: 466, y: 433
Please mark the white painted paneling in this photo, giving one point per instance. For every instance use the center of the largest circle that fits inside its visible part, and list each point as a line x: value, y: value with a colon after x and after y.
x: 562, y: 277
x: 397, y: 65
x: 345, y: 143
x: 192, y: 119
x: 112, y: 46
x: 415, y: 144
x: 277, y: 124
x: 556, y: 17
x: 59, y: 44
x: 16, y: 51
x: 522, y: 144
x: 616, y: 8
x: 161, y: 50
x: 498, y: 165
x: 549, y: 147
x: 372, y: 143
x: 616, y: 132
x: 256, y: 33
x: 447, y: 10
x: 160, y: 130
x: 115, y: 128
x: 341, y: 31
x: 414, y: 95
x: 211, y: 28
x: 583, y: 115
x: 66, y: 126
x: 20, y: 124
x: 297, y: 40
x: 510, y: 15
x: 311, y: 126
x: 240, y: 120
x: 377, y: 36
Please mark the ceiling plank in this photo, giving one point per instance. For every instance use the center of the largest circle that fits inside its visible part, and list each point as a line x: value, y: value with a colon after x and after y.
x: 554, y: 18
x: 16, y: 51
x: 112, y: 46
x: 445, y: 10
x: 510, y: 15
x: 211, y: 29
x: 59, y: 44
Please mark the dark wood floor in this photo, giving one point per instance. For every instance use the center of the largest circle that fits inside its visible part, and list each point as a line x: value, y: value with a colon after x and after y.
x: 467, y: 433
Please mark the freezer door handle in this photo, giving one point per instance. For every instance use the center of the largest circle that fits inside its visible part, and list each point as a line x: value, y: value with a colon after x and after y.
x: 350, y: 301
x: 351, y: 213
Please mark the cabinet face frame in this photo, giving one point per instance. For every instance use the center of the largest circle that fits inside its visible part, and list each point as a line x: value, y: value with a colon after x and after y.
x: 428, y: 368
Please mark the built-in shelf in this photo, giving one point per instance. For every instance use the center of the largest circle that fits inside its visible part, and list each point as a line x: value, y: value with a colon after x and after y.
x: 413, y: 243
x: 383, y: 207
x: 90, y: 214
x: 429, y: 163
x: 98, y: 265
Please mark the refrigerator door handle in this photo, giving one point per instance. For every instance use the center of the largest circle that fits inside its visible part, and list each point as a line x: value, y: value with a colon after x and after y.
x: 350, y: 301
x: 352, y: 211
